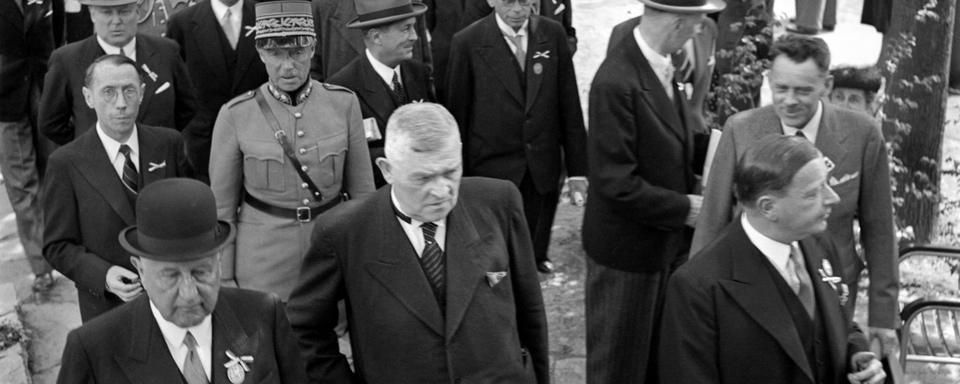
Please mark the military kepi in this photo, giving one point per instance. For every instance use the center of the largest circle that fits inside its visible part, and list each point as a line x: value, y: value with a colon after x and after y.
x: 288, y: 18
x: 176, y: 221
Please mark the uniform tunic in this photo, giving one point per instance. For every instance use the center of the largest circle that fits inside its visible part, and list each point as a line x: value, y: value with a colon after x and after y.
x: 326, y: 132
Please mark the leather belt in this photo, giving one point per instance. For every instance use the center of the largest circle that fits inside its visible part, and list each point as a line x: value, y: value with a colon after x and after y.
x: 302, y: 214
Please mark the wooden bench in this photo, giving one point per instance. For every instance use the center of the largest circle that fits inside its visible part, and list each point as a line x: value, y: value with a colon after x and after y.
x: 930, y: 332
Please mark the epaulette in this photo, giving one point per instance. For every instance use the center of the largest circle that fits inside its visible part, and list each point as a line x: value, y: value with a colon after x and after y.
x: 243, y: 96
x: 334, y: 87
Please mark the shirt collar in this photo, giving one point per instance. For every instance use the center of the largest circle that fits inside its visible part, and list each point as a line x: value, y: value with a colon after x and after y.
x: 811, y: 129
x: 508, y: 30
x: 385, y: 72
x: 219, y: 9
x: 113, y: 147
x: 778, y: 253
x: 174, y: 335
x: 413, y: 222
x: 130, y: 48
x: 658, y: 62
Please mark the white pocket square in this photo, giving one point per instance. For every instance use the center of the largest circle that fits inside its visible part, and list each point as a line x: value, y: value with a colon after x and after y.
x: 155, y: 166
x: 843, y: 179
x: 162, y: 88
x: 493, y: 278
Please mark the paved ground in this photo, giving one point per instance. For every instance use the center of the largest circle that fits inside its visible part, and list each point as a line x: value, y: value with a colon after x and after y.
x: 51, y: 315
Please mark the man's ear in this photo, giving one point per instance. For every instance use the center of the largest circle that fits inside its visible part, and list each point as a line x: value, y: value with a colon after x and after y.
x: 767, y: 205
x: 136, y: 264
x: 87, y: 96
x: 385, y: 168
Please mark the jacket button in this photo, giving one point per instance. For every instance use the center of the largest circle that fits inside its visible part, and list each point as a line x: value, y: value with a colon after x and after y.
x: 299, y: 133
x: 303, y: 151
x: 297, y: 115
x: 304, y: 168
x: 306, y: 201
x: 303, y: 185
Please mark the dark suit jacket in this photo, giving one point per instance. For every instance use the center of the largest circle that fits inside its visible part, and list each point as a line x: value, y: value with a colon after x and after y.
x: 641, y: 156
x: 85, y: 208
x: 443, y: 21
x: 168, y: 99
x: 375, y: 99
x: 727, y: 322
x: 490, y: 333
x: 198, y: 32
x: 861, y: 177
x: 337, y: 45
x: 26, y: 40
x: 511, y: 125
x: 126, y: 345
x: 704, y: 47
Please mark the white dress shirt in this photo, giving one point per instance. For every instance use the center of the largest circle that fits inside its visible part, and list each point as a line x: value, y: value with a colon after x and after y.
x: 113, y: 149
x: 662, y: 64
x: 508, y: 31
x: 129, y: 50
x: 236, y: 15
x: 778, y: 253
x: 811, y: 129
x: 385, y: 72
x: 173, y: 335
x: 415, y: 233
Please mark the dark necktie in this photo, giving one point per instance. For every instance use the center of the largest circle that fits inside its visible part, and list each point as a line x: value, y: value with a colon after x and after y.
x: 804, y: 288
x: 398, y: 89
x: 193, y: 371
x: 431, y: 259
x: 130, y: 175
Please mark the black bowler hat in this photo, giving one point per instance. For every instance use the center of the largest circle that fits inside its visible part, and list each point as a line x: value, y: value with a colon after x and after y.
x: 176, y: 221
x: 371, y: 13
x: 686, y: 6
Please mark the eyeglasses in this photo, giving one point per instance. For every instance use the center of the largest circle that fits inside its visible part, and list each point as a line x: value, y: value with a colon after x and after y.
x: 129, y: 94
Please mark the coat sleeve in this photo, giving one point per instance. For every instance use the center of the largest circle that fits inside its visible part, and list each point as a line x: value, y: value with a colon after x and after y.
x: 63, y: 243
x: 357, y: 172
x: 877, y: 233
x: 226, y: 180
x: 459, y: 91
x: 56, y: 102
x: 285, y: 344
x: 574, y: 139
x: 313, y: 311
x: 689, y: 351
x: 75, y: 364
x: 717, y: 209
x: 186, y: 98
x: 531, y: 315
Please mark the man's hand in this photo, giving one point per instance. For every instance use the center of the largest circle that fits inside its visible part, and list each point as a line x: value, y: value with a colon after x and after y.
x: 123, y: 283
x: 695, y: 202
x: 865, y: 369
x: 884, y: 342
x: 578, y: 190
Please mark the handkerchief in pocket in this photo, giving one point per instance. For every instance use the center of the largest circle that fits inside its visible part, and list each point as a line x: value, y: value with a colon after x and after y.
x: 493, y: 278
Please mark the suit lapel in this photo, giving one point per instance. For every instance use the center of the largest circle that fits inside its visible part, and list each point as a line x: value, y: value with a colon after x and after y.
x: 345, y: 13
x: 228, y: 335
x: 536, y: 42
x: 753, y: 288
x: 145, y: 52
x: 99, y: 172
x: 375, y: 91
x: 463, y: 272
x: 827, y: 302
x: 655, y: 95
x: 16, y: 15
x: 831, y: 136
x: 495, y: 53
x: 147, y: 360
x: 246, y: 52
x: 206, y: 29
x: 398, y: 269
x: 414, y: 84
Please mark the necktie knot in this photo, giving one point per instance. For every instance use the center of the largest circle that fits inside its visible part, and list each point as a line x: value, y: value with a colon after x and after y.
x: 800, y: 134
x: 429, y: 231
x: 125, y: 149
x: 190, y: 341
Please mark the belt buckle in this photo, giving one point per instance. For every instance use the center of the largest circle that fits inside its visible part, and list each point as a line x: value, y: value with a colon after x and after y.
x: 303, y: 214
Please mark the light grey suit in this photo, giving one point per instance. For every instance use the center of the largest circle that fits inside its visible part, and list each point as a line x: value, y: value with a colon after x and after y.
x: 861, y: 177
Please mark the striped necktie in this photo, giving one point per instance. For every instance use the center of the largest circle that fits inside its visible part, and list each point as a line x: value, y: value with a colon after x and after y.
x: 432, y: 261
x: 193, y: 372
x: 130, y: 176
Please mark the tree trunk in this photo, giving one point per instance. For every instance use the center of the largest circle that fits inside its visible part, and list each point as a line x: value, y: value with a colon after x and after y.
x: 915, y: 64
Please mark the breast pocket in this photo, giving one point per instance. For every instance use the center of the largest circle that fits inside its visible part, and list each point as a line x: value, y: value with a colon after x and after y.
x: 263, y: 164
x: 329, y: 153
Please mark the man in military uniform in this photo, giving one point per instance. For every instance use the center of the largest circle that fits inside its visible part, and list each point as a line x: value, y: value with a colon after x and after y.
x: 284, y: 153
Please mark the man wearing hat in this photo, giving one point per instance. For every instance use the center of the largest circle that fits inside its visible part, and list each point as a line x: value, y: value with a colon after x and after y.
x: 856, y: 88
x: 92, y: 182
x: 512, y: 88
x: 643, y: 203
x: 168, y: 95
x: 216, y: 42
x: 186, y: 329
x: 386, y: 76
x: 338, y: 44
x: 284, y: 154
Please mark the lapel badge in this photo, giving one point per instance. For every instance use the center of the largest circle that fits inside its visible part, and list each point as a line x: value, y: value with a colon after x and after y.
x: 34, y: 2
x: 250, y: 30
x: 829, y: 163
x: 544, y: 54
x: 152, y: 74
x: 493, y: 278
x: 537, y: 68
x: 155, y: 166
x: 827, y: 267
x: 237, y: 367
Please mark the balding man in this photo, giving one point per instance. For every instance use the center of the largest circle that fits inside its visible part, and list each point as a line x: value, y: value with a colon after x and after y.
x: 437, y: 272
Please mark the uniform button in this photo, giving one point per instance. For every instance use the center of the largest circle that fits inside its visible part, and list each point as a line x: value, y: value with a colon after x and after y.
x: 297, y: 115
x: 303, y: 185
x: 299, y: 133
x: 306, y: 201
x: 303, y: 151
x: 304, y: 168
